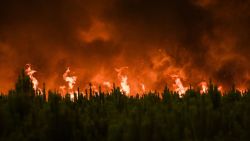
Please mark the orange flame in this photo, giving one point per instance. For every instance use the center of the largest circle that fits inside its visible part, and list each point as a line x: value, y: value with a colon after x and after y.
x: 220, y: 88
x: 71, y: 80
x: 143, y: 87
x: 30, y: 73
x: 124, y: 80
x: 204, y: 87
x: 62, y: 89
x: 107, y: 84
x: 124, y: 84
x: 179, y: 88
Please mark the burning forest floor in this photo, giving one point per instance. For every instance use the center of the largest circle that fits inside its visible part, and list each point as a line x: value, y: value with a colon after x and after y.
x: 28, y: 113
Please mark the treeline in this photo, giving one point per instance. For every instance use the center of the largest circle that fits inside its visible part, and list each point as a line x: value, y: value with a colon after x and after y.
x: 28, y: 115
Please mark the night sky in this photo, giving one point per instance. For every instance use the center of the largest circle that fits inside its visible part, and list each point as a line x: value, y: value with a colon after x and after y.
x: 197, y: 40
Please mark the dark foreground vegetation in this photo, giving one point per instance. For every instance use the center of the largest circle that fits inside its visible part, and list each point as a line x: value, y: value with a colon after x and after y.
x: 26, y: 115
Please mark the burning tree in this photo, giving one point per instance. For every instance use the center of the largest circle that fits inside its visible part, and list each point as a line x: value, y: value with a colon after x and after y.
x: 99, y: 115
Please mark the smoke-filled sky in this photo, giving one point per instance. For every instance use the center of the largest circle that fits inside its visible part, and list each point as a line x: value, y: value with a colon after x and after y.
x: 197, y: 40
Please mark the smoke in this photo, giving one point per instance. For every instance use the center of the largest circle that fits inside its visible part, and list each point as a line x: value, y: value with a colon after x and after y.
x: 195, y: 39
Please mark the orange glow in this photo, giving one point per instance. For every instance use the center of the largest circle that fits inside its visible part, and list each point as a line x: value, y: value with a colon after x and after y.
x: 137, y: 86
x: 143, y: 87
x: 242, y: 89
x: 30, y: 73
x: 179, y: 88
x: 203, y: 86
x: 63, y: 90
x: 220, y: 88
x: 107, y: 84
x: 124, y: 80
x: 154, y: 41
x: 97, y: 31
x: 124, y: 85
x: 71, y: 80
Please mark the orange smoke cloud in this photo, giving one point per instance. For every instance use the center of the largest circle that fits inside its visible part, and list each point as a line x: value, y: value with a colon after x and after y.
x: 194, y: 39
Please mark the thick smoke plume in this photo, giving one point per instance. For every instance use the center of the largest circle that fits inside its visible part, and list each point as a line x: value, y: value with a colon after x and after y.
x: 197, y: 40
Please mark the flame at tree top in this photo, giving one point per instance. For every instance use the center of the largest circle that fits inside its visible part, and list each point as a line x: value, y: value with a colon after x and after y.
x: 71, y: 80
x: 107, y: 84
x: 143, y: 87
x: 96, y: 43
x: 124, y: 84
x: 30, y: 73
x: 179, y: 86
x: 204, y: 87
x: 220, y: 88
x: 124, y: 80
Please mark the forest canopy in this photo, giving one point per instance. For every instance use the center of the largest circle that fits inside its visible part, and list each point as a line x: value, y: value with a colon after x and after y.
x: 26, y: 114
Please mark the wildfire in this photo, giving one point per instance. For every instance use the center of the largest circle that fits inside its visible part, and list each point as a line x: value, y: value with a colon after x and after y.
x: 30, y: 73
x: 71, y: 80
x: 220, y: 88
x: 62, y: 89
x: 143, y: 87
x: 124, y: 85
x: 107, y: 84
x: 203, y: 86
x: 124, y: 80
x: 179, y: 86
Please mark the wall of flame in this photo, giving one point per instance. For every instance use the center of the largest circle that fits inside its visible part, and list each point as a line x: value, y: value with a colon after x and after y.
x: 196, y: 40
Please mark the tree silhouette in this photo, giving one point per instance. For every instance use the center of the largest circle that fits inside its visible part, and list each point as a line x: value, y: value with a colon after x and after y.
x: 25, y: 115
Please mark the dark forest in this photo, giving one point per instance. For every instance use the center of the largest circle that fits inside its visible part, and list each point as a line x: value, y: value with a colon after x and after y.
x: 26, y: 114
